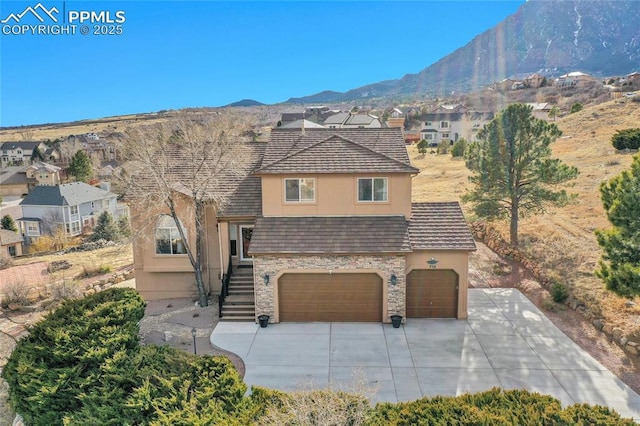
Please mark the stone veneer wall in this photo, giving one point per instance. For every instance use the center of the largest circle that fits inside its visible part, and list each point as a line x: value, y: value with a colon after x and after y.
x: 275, y: 266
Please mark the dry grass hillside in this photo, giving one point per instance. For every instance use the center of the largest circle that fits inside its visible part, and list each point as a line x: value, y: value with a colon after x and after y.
x: 563, y: 239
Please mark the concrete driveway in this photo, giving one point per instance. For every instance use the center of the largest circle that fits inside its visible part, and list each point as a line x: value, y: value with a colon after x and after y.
x: 506, y: 342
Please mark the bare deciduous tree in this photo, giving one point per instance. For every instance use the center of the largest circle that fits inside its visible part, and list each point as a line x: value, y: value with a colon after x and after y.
x: 189, y: 158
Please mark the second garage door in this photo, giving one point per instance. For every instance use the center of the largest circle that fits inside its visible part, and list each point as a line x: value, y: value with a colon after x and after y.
x: 432, y: 293
x: 330, y: 297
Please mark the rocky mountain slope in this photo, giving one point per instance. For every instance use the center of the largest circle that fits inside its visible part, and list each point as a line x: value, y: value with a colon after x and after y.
x: 550, y: 36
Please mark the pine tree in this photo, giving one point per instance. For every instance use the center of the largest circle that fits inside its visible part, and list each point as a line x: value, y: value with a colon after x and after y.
x: 106, y: 229
x: 80, y: 166
x: 7, y: 222
x: 513, y: 174
x: 620, y: 263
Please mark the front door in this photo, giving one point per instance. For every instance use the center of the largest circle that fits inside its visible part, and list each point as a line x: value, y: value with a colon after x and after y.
x: 245, y: 238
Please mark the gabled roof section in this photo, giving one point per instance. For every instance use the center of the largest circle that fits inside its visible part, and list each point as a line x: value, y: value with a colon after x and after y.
x: 439, y: 226
x: 330, y: 235
x: 336, y: 151
x: 22, y: 145
x: 68, y: 194
x: 9, y: 237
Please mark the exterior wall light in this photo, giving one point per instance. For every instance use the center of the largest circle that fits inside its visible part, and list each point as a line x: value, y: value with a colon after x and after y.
x: 432, y: 263
x: 265, y: 277
x: 394, y: 279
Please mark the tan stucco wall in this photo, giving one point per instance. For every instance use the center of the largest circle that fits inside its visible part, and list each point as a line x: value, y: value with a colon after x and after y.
x: 456, y: 260
x: 336, y: 194
x: 18, y: 246
x: 266, y: 296
x: 163, y: 276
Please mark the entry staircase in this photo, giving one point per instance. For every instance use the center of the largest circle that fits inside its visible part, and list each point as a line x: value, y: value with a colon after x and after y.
x: 239, y: 303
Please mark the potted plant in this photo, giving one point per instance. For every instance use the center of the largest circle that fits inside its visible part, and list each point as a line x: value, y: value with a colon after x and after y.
x: 263, y: 320
x: 396, y: 320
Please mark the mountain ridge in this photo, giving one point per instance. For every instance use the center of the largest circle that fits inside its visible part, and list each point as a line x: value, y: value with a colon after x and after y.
x: 552, y: 37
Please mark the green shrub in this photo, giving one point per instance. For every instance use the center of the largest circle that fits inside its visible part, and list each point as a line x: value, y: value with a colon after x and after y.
x: 443, y: 146
x: 626, y: 139
x: 458, y: 148
x: 423, y: 146
x: 559, y: 292
x: 492, y: 407
x: 584, y: 414
x: 576, y: 107
x: 105, y: 269
x: 79, y: 354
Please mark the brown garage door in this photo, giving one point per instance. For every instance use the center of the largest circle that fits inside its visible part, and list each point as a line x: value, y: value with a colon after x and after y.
x: 330, y: 297
x: 432, y: 293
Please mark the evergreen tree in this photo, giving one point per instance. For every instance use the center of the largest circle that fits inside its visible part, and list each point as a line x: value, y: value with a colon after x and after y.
x: 7, y: 222
x: 423, y: 145
x: 512, y: 172
x: 620, y: 263
x: 106, y: 229
x: 80, y: 166
x: 124, y: 227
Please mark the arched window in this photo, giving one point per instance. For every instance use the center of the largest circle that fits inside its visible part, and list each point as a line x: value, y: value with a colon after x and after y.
x: 168, y: 240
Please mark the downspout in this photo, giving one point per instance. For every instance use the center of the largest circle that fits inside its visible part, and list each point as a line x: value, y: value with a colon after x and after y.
x: 222, y: 265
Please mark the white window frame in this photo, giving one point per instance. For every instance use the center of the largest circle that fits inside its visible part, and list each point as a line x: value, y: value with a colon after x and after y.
x: 105, y: 204
x: 301, y: 183
x: 373, y: 192
x: 445, y: 136
x: 73, y: 210
x: 33, y: 228
x: 174, y: 236
x: 75, y: 228
x: 428, y: 136
x: 444, y: 124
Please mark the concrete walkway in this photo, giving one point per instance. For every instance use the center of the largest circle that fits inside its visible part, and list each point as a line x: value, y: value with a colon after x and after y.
x: 506, y: 342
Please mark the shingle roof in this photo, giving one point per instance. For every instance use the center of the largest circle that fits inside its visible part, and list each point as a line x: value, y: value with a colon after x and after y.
x: 68, y: 194
x: 336, y: 151
x: 330, y: 235
x: 442, y: 116
x: 338, y: 118
x: 22, y: 145
x: 297, y: 124
x: 245, y: 191
x: 360, y: 119
x: 9, y: 237
x: 439, y: 226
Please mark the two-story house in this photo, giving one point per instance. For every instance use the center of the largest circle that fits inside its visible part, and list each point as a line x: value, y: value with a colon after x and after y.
x: 451, y: 126
x: 323, y: 220
x: 19, y: 153
x: 21, y: 180
x: 73, y: 206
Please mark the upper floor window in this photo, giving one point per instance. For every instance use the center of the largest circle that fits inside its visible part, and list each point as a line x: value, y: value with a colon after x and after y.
x: 105, y: 203
x: 428, y: 124
x: 168, y: 239
x: 444, y: 124
x: 73, y: 210
x: 373, y: 189
x: 300, y: 190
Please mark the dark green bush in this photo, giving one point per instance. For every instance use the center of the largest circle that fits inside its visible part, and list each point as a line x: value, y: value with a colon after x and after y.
x: 458, y: 148
x: 83, y: 348
x: 576, y: 107
x: 626, y: 139
x: 559, y: 292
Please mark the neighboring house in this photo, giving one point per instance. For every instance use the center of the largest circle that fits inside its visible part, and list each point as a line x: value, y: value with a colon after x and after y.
x: 73, y: 206
x: 10, y: 243
x: 534, y: 81
x: 19, y: 153
x: 573, y: 79
x: 299, y: 124
x: 17, y: 181
x: 451, y: 126
x: 347, y: 120
x: 634, y: 77
x: 95, y: 146
x: 325, y: 220
x: 395, y: 118
x: 540, y: 110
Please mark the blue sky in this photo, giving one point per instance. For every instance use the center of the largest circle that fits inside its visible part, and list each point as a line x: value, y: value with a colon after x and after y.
x: 176, y: 54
